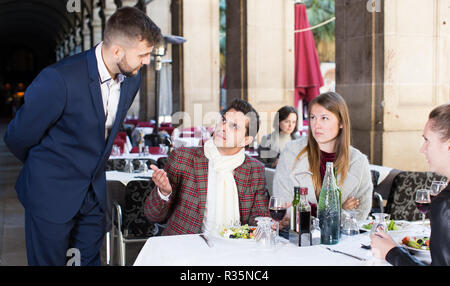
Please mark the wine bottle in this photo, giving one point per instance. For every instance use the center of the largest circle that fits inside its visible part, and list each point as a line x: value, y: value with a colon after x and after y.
x: 329, y: 209
x: 304, y: 219
x: 294, y: 221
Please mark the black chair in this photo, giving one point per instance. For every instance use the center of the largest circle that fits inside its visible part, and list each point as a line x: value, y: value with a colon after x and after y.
x: 377, y: 199
x: 129, y: 223
x: 119, y: 164
x: 161, y: 162
x: 401, y: 202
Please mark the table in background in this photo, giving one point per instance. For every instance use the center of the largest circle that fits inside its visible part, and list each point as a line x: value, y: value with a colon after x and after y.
x: 137, y: 156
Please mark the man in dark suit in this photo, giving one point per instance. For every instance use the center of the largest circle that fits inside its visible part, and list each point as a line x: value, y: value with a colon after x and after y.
x: 205, y: 188
x: 64, y: 132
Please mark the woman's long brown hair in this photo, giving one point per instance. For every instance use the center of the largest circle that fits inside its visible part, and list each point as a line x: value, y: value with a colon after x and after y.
x: 334, y: 103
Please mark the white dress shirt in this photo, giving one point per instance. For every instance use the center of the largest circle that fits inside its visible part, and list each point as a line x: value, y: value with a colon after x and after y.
x: 110, y: 90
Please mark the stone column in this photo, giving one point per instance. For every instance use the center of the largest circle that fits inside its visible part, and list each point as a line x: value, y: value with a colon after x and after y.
x: 58, y: 52
x: 392, y: 69
x: 200, y: 60
x: 78, y: 41
x: 159, y: 12
x: 86, y: 34
x: 135, y: 106
x: 359, y: 72
x: 66, y: 47
x: 72, y: 44
x: 97, y: 22
x: 260, y: 55
x: 110, y: 8
x: 131, y: 3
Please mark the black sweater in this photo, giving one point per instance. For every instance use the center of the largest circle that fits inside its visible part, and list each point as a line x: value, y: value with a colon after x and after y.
x: 439, y: 239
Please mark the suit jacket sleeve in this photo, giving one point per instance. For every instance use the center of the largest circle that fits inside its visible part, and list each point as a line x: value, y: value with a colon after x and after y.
x: 45, y: 99
x: 399, y: 256
x: 155, y: 208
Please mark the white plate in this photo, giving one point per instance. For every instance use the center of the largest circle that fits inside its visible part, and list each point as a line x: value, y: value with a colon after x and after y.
x: 412, y: 248
x: 415, y: 249
x: 402, y: 224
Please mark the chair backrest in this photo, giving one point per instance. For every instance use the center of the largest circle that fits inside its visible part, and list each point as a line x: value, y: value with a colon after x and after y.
x: 270, y: 173
x: 376, y: 204
x: 115, y: 165
x: 401, y: 202
x: 134, y: 220
x: 165, y: 124
x: 168, y: 129
x: 119, y: 142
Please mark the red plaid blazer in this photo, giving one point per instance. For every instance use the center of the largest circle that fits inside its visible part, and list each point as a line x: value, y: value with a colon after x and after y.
x: 187, y: 170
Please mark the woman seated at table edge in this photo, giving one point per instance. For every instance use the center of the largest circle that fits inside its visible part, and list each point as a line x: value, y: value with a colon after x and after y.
x: 329, y: 141
x: 285, y: 130
x: 436, y: 147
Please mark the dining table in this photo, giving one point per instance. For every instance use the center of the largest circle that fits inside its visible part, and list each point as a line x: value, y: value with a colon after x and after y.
x: 138, y: 156
x: 192, y: 250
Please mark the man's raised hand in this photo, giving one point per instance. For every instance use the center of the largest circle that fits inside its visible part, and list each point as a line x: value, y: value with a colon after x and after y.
x: 161, y: 180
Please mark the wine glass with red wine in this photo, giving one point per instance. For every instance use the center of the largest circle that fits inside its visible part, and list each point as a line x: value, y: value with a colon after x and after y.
x: 423, y: 202
x: 277, y: 209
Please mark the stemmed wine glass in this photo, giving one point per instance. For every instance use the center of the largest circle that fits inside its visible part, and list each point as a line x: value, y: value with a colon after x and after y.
x: 129, y: 166
x: 423, y: 202
x: 143, y: 165
x: 277, y: 209
x: 436, y: 188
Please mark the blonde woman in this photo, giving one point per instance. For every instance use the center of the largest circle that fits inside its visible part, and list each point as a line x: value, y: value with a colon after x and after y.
x: 328, y: 141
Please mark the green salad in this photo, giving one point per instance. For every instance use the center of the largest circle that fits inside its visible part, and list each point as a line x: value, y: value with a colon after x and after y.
x: 422, y: 243
x: 243, y: 232
x: 391, y: 226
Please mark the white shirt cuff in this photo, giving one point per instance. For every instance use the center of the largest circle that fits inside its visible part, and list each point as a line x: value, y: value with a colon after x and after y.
x: 163, y: 197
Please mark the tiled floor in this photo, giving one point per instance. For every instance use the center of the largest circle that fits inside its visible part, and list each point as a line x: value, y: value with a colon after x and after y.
x: 12, y: 221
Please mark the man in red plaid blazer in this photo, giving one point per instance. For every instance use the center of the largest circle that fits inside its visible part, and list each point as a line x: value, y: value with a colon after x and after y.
x: 183, y: 192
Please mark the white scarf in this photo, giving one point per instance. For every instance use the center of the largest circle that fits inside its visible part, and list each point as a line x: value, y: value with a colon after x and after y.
x: 227, y: 200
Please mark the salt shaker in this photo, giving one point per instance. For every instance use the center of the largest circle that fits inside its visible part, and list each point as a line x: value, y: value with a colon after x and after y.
x: 315, y: 232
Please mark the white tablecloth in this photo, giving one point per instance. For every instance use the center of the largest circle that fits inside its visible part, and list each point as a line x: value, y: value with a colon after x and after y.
x: 136, y: 156
x: 125, y: 178
x: 191, y: 250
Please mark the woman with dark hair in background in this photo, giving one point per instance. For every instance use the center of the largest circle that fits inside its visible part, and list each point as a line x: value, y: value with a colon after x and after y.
x: 285, y: 130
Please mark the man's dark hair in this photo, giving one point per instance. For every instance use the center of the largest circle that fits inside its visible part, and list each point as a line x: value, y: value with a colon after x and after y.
x: 248, y: 110
x: 131, y: 23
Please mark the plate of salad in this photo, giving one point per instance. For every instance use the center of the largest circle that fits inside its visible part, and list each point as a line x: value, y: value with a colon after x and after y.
x: 244, y: 232
x: 417, y: 244
x: 392, y: 225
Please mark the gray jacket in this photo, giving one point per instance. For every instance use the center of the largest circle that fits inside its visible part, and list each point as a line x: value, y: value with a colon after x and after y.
x: 269, y: 149
x: 358, y: 182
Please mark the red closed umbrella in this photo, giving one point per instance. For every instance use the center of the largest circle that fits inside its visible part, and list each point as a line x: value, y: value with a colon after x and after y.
x: 308, y: 78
